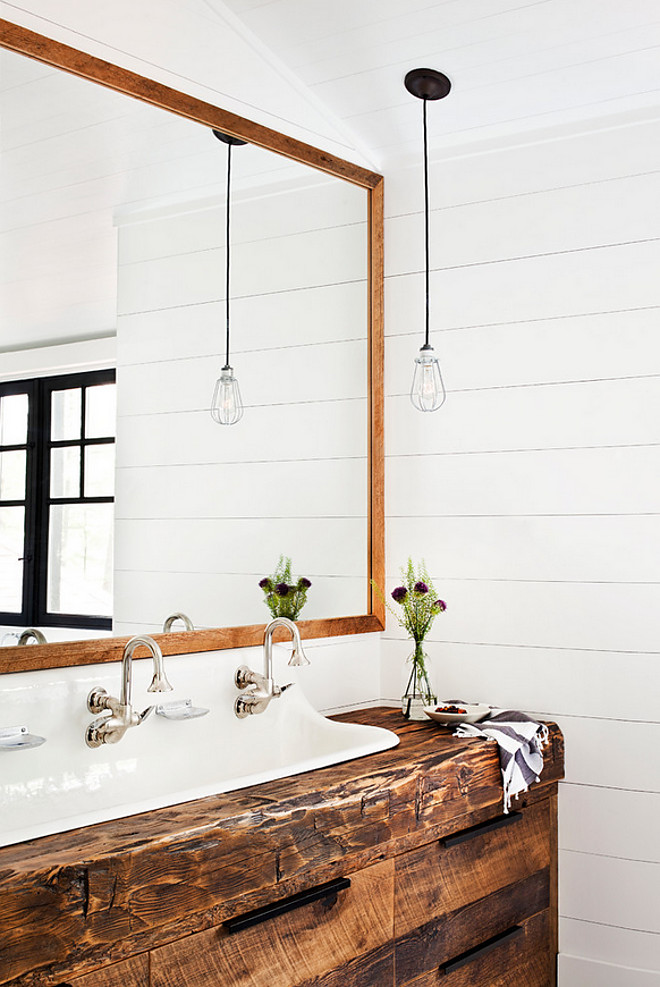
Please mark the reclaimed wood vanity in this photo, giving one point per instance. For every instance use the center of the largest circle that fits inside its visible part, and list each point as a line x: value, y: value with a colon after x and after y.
x: 393, y: 869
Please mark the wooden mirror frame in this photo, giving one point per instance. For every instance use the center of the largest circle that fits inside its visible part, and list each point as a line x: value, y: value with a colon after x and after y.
x: 61, y: 56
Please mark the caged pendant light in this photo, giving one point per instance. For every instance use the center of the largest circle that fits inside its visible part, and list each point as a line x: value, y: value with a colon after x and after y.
x: 227, y: 407
x: 428, y: 391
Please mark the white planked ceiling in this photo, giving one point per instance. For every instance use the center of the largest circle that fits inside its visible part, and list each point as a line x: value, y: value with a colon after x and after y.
x: 515, y: 65
x: 521, y: 70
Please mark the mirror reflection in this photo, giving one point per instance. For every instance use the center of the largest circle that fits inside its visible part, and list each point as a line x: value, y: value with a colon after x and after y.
x: 113, y: 222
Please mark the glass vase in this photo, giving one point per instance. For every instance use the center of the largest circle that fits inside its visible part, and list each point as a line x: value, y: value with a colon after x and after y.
x: 418, y: 692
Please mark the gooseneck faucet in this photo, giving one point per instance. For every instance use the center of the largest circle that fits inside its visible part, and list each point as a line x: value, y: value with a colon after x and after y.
x: 110, y: 729
x: 173, y: 617
x: 260, y: 689
x: 31, y: 634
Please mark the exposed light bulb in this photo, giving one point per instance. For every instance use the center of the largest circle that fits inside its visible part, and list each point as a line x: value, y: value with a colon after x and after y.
x: 226, y: 407
x: 428, y: 391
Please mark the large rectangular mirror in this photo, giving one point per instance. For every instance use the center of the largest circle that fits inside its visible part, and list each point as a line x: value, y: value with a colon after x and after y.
x: 114, y: 223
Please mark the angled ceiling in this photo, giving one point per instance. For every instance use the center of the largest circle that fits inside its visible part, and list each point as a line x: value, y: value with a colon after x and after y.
x: 328, y: 73
x: 516, y: 65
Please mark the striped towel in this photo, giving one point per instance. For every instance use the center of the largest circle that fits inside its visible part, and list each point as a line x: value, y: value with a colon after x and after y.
x: 521, y: 741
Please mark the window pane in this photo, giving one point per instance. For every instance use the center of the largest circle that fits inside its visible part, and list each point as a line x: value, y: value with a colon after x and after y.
x: 100, y: 471
x: 80, y: 559
x: 13, y: 419
x: 100, y: 411
x: 12, y: 523
x: 12, y: 475
x: 65, y: 472
x: 66, y: 411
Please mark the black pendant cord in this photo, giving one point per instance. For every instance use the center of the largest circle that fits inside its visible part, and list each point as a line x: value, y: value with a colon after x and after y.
x: 426, y: 222
x: 226, y: 366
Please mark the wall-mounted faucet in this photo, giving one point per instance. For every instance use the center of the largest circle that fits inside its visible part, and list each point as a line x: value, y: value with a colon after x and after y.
x: 110, y: 729
x: 31, y: 634
x: 184, y: 618
x: 260, y: 689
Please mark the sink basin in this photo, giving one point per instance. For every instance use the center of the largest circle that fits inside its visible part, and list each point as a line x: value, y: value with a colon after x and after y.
x: 63, y: 784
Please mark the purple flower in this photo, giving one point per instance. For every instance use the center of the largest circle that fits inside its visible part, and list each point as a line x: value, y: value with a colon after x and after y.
x: 304, y: 583
x: 281, y: 589
x: 265, y: 583
x: 399, y: 594
x: 440, y: 606
x: 421, y: 587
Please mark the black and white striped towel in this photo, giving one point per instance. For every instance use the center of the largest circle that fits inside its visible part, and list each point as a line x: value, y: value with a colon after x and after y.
x: 521, y: 741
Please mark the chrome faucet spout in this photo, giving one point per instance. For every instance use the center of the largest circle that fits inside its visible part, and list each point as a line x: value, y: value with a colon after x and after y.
x: 173, y: 617
x: 110, y: 729
x: 258, y: 690
x: 159, y: 681
x: 298, y: 656
x: 31, y: 634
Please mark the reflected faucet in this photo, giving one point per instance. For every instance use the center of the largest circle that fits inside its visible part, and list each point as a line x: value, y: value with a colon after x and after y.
x: 110, y: 729
x: 260, y: 689
x: 31, y: 634
x: 187, y: 622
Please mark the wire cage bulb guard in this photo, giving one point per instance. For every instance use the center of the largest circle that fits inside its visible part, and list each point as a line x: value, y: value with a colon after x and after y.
x: 428, y: 390
x: 227, y: 405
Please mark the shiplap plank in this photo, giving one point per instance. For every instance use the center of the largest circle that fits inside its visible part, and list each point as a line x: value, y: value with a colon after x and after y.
x: 578, y: 159
x: 251, y: 546
x: 590, y: 549
x: 316, y: 488
x: 520, y: 54
x: 573, y: 615
x: 290, y: 263
x: 621, y: 947
x: 551, y: 221
x: 575, y: 348
x: 586, y: 889
x: 322, y: 429
x: 610, y: 822
x: 553, y: 416
x: 547, y: 481
x: 254, y: 216
x: 455, y: 34
x: 261, y: 322
x: 626, y: 766
x: 574, y: 283
x: 558, y: 682
x: 330, y: 371
x: 575, y: 971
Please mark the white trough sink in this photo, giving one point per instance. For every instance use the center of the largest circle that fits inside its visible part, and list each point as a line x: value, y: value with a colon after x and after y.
x: 63, y: 784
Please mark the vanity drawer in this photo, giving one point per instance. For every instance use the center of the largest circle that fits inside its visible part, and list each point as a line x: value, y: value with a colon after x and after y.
x: 520, y: 955
x: 341, y: 939
x: 456, y: 893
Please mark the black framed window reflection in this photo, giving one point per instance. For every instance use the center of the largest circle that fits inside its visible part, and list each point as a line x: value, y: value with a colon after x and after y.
x: 57, y: 460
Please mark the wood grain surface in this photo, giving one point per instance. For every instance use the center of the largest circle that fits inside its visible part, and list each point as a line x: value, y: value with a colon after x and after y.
x: 291, y: 949
x: 521, y: 961
x: 131, y: 973
x: 103, y: 893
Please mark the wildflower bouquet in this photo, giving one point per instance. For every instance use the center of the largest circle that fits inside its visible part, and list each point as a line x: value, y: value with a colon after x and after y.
x: 418, y: 607
x: 284, y: 597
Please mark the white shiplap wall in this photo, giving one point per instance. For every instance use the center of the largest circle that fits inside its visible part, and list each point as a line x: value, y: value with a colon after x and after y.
x: 204, y: 511
x: 533, y: 494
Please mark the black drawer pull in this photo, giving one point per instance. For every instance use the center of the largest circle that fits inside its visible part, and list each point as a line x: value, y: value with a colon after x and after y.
x: 328, y: 890
x: 487, y: 827
x: 485, y: 947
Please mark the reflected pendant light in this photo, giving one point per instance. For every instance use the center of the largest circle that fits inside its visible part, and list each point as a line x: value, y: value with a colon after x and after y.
x: 428, y: 391
x: 227, y: 407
